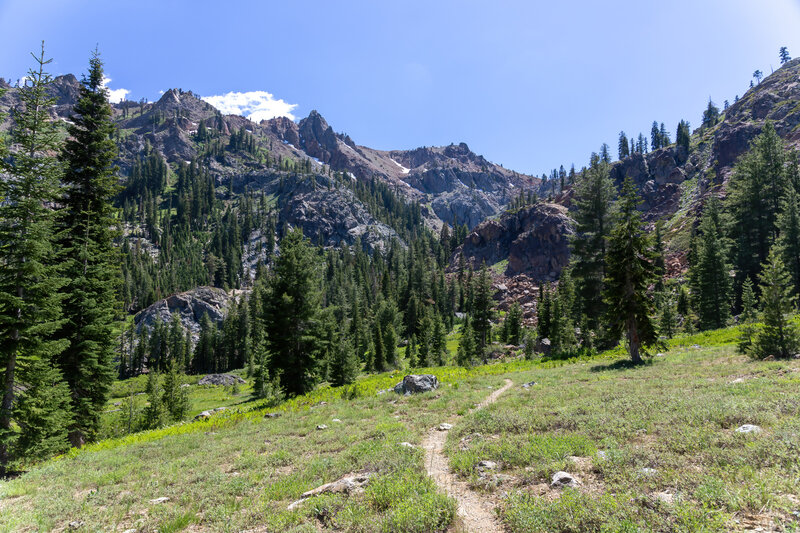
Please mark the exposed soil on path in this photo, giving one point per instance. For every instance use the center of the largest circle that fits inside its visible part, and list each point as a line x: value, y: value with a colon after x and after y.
x: 476, y: 512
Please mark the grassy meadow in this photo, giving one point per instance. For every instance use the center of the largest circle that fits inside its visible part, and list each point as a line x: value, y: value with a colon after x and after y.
x: 654, y: 447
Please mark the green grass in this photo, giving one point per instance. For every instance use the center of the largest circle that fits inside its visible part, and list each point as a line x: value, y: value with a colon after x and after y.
x: 238, y: 470
x: 675, y: 415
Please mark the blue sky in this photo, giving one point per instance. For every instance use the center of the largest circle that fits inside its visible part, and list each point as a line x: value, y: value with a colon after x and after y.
x: 528, y: 84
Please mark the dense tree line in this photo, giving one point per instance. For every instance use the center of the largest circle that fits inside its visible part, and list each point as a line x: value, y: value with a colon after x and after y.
x: 59, y: 275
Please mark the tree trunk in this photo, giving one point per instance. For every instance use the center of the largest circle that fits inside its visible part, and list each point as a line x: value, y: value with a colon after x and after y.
x: 5, y: 409
x: 634, y: 344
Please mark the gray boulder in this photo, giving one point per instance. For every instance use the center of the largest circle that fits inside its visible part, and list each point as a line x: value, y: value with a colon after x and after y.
x: 748, y: 428
x: 220, y: 379
x: 414, y: 383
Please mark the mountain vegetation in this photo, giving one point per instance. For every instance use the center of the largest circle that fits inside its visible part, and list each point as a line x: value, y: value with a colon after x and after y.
x: 145, y: 245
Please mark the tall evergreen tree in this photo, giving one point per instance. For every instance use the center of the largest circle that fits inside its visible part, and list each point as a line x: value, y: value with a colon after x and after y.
x: 593, y: 222
x: 30, y: 305
x: 747, y: 317
x: 345, y: 367
x: 291, y: 307
x: 683, y: 136
x: 629, y: 275
x: 91, y: 261
x: 710, y: 115
x: 513, y: 324
x: 784, y: 55
x: 482, y: 313
x: 466, y: 354
x: 789, y: 238
x: 623, y: 149
x: 778, y: 336
x: 758, y: 184
x: 713, y: 278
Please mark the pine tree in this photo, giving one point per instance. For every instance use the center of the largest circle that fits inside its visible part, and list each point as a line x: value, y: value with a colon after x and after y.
x: 439, y: 341
x: 345, y: 367
x: 91, y: 260
x: 42, y: 412
x: 710, y: 115
x: 623, y: 149
x: 683, y: 136
x: 466, y: 353
x: 593, y: 222
x: 655, y: 136
x: 713, y: 278
x: 513, y: 324
x: 784, y: 55
x: 30, y: 305
x: 789, y: 237
x: 758, y: 184
x: 175, y: 398
x: 155, y: 415
x: 291, y: 307
x: 778, y: 336
x: 629, y: 275
x: 390, y: 345
x: 378, y: 352
x: 748, y: 316
x: 482, y: 313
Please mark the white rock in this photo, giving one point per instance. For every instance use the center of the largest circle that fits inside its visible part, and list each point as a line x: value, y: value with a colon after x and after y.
x: 162, y: 499
x: 748, y: 428
x: 445, y: 427
x: 563, y: 479
x: 407, y: 445
x: 322, y: 426
x: 487, y: 465
x: 336, y: 420
x: 648, y: 471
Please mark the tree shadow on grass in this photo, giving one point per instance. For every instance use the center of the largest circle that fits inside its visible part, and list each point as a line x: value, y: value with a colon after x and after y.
x: 621, y: 364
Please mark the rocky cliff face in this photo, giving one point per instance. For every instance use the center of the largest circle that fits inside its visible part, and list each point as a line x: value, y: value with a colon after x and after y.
x: 534, y: 240
x: 190, y: 306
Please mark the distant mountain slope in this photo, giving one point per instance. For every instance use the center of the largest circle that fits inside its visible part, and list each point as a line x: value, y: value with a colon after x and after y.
x: 672, y: 182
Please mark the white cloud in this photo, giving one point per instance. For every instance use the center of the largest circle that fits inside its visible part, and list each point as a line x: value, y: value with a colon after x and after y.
x: 255, y: 105
x: 115, y: 96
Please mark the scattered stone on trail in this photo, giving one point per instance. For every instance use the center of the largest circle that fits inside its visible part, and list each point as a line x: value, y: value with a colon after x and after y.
x: 528, y: 385
x: 665, y: 497
x: 77, y: 524
x: 321, y: 427
x: 748, y: 428
x: 346, y: 485
x: 561, y: 480
x: 414, y: 383
x: 220, y: 379
x: 445, y: 426
x: 162, y: 499
x: 407, y: 445
x: 207, y: 414
x: 487, y: 465
x: 272, y: 415
x: 466, y: 441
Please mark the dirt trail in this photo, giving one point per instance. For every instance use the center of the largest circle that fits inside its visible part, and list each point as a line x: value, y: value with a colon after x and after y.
x: 476, y: 512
